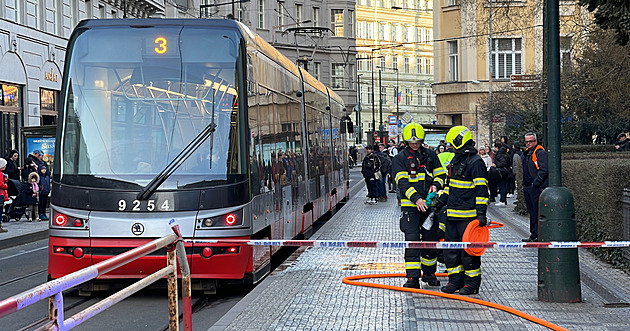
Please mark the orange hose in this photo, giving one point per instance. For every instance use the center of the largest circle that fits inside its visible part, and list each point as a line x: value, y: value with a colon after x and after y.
x: 351, y: 281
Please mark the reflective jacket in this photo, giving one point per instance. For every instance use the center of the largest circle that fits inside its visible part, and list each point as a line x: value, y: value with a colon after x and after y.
x: 466, y: 192
x: 415, y: 173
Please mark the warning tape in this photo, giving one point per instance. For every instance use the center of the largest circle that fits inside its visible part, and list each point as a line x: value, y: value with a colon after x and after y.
x: 414, y: 244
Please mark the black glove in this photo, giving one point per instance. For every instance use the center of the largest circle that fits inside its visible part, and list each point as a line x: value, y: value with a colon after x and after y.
x: 437, y: 205
x: 483, y: 221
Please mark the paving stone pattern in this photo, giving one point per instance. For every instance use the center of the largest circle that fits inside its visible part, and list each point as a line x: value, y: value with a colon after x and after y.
x: 309, y: 295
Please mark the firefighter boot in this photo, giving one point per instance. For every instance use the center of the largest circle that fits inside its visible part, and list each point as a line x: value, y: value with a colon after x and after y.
x: 412, y: 282
x: 430, y: 279
x: 468, y: 290
x: 455, y: 282
x: 471, y: 284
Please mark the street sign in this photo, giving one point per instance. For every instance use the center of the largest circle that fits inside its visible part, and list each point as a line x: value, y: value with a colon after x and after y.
x: 375, y: 135
x: 407, y: 117
x: 393, y: 119
x: 518, y: 80
x: 515, y: 77
x: 393, y: 130
x: 524, y: 84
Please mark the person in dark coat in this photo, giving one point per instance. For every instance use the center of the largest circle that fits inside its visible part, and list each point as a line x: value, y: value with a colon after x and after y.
x: 622, y: 144
x: 535, y: 180
x: 44, y: 191
x: 13, y: 169
x: 502, y: 165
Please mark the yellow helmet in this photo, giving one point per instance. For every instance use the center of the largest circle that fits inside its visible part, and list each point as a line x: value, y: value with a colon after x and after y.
x: 458, y: 136
x: 413, y: 133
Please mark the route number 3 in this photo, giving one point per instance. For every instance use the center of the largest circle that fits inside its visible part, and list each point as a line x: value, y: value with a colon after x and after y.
x: 137, y: 205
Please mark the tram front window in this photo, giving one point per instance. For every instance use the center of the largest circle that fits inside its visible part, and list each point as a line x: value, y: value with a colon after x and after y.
x: 136, y: 98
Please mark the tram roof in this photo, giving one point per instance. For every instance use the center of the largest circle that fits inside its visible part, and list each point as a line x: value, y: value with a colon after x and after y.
x: 252, y: 38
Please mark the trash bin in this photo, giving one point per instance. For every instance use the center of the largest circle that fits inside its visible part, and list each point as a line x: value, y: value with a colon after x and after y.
x: 625, y: 222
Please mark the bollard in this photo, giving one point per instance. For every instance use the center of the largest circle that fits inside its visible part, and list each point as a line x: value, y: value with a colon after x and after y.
x: 558, y: 269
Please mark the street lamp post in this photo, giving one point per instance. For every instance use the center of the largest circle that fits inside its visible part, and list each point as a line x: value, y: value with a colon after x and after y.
x: 371, y: 58
x: 396, y: 97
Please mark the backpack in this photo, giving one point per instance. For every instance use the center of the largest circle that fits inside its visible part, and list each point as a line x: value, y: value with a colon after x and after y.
x: 386, y: 165
x: 367, y: 168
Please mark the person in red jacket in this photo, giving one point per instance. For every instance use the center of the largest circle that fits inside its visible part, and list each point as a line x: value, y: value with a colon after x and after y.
x: 4, y: 196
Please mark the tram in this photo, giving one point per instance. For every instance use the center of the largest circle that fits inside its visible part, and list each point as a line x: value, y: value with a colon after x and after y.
x: 196, y: 120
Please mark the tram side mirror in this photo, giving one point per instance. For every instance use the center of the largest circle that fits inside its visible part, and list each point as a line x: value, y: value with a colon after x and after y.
x: 298, y: 94
x: 346, y: 125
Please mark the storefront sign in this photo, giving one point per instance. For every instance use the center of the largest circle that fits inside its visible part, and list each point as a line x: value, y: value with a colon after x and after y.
x: 51, y: 76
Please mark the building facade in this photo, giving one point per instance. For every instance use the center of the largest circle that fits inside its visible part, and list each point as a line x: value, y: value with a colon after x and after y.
x: 319, y: 35
x: 33, y: 38
x: 470, y: 45
x: 395, y: 57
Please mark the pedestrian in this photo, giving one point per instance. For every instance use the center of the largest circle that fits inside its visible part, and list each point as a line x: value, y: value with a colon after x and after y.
x: 466, y: 199
x: 535, y: 180
x: 33, y: 200
x: 370, y: 169
x: 4, y: 196
x: 502, y: 165
x: 622, y: 143
x: 13, y: 169
x: 485, y: 157
x: 393, y: 151
x: 44, y: 185
x: 386, y: 169
x: 418, y: 173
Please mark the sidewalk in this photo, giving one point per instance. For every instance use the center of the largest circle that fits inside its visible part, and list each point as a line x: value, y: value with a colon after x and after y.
x: 22, y: 232
x: 309, y: 294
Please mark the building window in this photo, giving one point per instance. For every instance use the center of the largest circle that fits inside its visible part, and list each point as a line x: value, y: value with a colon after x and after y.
x: 384, y: 94
x: 418, y: 65
x: 428, y: 35
x: 261, y: 14
x: 405, y: 33
x: 408, y: 96
x: 453, y: 61
x: 336, y: 22
x: 406, y: 64
x: 383, y: 63
x: 428, y: 66
x: 299, y: 13
x: 381, y: 31
x: 88, y: 9
x: 315, y: 16
x: 10, y: 108
x: 420, y: 97
x: 394, y: 33
x: 101, y: 11
x: 451, y: 2
x: 352, y: 74
x: 316, y: 69
x: 280, y: 5
x: 48, y: 106
x: 506, y: 57
x: 337, y: 75
x: 370, y: 95
x: 350, y: 23
x: 395, y: 61
x: 370, y: 30
x: 456, y: 119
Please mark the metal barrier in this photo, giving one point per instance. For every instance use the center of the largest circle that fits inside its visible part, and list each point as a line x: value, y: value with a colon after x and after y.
x: 53, y: 289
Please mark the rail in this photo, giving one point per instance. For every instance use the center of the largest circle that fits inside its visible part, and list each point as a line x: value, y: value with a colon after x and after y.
x: 53, y: 290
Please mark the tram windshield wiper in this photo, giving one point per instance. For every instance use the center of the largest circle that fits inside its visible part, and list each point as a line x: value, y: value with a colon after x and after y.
x: 177, y: 161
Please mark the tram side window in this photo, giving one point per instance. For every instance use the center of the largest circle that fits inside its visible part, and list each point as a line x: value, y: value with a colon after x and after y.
x: 266, y: 137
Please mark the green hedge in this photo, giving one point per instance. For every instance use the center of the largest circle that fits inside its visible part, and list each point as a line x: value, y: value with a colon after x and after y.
x: 597, y: 181
x: 597, y: 185
x: 587, y: 148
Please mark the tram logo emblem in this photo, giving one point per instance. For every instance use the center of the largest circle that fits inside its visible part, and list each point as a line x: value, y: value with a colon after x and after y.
x: 137, y: 229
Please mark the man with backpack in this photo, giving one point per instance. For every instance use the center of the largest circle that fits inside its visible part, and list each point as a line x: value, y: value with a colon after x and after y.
x: 371, y: 169
x: 418, y: 173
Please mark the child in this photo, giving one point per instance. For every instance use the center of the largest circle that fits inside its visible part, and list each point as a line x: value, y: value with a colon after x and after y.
x: 33, y: 200
x: 4, y: 196
x: 44, y: 185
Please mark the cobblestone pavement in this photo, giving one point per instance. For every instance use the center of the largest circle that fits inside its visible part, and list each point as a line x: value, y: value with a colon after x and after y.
x: 309, y: 295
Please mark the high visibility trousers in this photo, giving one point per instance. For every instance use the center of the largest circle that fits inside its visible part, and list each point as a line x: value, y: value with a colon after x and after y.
x: 418, y: 259
x: 463, y: 269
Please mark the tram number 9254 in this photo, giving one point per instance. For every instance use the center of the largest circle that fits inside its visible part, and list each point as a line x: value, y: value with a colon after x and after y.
x: 149, y: 205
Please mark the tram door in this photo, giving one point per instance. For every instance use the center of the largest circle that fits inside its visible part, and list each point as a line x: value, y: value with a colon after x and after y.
x: 287, y: 207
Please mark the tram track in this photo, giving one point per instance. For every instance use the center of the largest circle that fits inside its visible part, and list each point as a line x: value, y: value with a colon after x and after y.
x: 17, y: 279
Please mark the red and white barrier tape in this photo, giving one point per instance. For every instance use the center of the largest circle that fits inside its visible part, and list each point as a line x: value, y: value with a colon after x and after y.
x: 414, y: 244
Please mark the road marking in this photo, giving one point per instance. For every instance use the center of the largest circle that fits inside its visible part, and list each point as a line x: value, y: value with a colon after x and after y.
x: 18, y: 254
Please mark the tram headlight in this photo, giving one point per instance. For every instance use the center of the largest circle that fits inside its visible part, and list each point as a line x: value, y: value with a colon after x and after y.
x: 234, y: 218
x: 61, y: 220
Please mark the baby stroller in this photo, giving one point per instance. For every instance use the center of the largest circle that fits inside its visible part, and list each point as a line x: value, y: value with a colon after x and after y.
x: 18, y: 192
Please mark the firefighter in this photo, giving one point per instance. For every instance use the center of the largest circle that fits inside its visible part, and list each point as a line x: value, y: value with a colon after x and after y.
x: 418, y: 172
x: 466, y: 199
